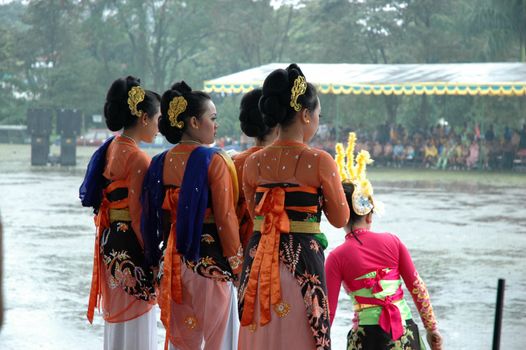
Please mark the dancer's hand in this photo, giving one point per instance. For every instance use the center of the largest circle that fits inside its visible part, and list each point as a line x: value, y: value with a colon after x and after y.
x: 434, y: 339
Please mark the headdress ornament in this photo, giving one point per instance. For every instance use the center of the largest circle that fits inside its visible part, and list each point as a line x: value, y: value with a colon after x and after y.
x: 298, y: 89
x: 352, y: 171
x: 176, y: 107
x: 135, y: 96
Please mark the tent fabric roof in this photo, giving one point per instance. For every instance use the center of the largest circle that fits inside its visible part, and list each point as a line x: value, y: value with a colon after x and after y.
x: 408, y: 79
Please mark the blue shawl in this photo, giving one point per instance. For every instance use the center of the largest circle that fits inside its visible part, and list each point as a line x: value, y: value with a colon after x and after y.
x: 152, y: 198
x: 90, y: 191
x: 193, y: 201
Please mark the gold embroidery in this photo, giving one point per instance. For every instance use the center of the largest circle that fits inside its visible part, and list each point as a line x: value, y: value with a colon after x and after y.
x: 207, y: 260
x: 177, y: 106
x: 135, y: 96
x: 190, y: 322
x: 299, y: 88
x: 253, y: 327
x: 236, y: 260
x: 122, y: 227
x: 207, y: 238
x: 282, y: 309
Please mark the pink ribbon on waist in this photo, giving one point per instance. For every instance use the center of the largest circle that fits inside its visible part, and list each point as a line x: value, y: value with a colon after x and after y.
x: 390, y: 317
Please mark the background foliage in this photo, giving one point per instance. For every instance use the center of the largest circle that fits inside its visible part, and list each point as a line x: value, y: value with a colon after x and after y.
x: 66, y: 53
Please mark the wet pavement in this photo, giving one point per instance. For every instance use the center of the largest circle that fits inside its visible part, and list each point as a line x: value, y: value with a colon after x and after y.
x: 463, y: 236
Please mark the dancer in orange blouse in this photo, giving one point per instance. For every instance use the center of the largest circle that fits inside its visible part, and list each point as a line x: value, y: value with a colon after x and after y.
x: 193, y: 190
x: 113, y: 184
x: 283, y: 300
x: 252, y: 125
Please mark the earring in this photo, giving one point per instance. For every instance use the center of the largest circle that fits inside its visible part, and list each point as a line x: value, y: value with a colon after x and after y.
x: 308, y: 121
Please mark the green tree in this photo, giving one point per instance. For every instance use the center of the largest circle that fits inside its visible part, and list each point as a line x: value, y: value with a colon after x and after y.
x: 160, y: 35
x: 504, y: 25
x: 12, y: 101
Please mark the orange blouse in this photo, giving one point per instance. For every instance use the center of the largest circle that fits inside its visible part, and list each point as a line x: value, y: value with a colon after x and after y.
x: 221, y: 189
x: 126, y: 165
x: 245, y: 222
x: 239, y: 161
x: 126, y: 161
x: 294, y: 162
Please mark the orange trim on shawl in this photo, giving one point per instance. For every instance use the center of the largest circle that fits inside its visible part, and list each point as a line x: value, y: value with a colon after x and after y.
x: 102, y: 222
x: 171, y: 283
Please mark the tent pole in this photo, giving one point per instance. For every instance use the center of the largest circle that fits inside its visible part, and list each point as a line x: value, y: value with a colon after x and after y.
x: 337, y: 117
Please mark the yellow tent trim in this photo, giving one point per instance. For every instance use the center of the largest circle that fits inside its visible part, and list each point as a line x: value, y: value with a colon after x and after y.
x: 434, y: 88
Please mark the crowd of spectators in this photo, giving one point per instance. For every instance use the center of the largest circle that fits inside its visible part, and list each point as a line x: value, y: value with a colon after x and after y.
x: 439, y: 147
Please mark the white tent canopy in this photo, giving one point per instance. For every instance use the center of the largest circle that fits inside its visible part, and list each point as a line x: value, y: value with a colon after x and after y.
x: 398, y: 79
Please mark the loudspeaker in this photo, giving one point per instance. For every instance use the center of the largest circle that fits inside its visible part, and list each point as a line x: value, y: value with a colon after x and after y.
x: 69, y: 122
x: 39, y: 149
x: 68, y: 150
x: 39, y: 121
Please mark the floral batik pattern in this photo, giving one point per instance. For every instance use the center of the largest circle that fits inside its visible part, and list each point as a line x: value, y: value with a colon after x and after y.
x: 212, y: 263
x: 303, y: 256
x: 124, y: 261
x: 374, y: 337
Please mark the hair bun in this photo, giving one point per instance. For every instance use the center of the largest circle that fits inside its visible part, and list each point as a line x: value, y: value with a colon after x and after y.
x: 116, y: 110
x: 250, y: 117
x: 293, y: 72
x: 274, y: 112
x: 276, y: 82
x: 181, y: 87
x: 249, y: 105
x: 132, y: 81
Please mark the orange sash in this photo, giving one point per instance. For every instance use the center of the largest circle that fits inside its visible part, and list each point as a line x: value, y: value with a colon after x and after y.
x: 265, y: 266
x: 171, y: 283
x: 102, y: 222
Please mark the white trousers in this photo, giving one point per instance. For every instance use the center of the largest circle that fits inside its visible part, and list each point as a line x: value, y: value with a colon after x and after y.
x: 137, y: 334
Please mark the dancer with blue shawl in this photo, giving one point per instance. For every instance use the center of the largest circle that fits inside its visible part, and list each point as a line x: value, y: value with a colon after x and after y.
x: 189, y: 200
x: 121, y: 284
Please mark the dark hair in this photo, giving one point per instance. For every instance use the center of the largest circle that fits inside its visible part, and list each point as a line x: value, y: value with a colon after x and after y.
x: 117, y: 113
x: 250, y: 117
x: 348, y: 189
x: 196, y: 108
x: 274, y: 104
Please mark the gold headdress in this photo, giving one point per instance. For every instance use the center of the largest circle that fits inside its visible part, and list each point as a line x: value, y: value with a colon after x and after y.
x: 362, y: 198
x: 177, y: 106
x: 299, y: 88
x: 135, y: 96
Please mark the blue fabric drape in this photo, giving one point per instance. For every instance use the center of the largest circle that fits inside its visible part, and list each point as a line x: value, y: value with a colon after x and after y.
x: 90, y: 191
x: 193, y: 200
x: 152, y: 198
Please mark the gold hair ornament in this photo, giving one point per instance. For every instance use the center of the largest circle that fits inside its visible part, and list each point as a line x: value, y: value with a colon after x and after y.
x: 299, y: 88
x: 177, y: 106
x: 354, y: 172
x: 135, y: 96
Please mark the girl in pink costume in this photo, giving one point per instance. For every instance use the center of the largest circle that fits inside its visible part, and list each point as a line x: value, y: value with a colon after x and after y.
x: 371, y: 267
